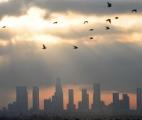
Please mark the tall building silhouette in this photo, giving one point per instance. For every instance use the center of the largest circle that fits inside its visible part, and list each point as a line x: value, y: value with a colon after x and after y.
x: 21, y: 99
x: 84, y: 104
x: 126, y: 102
x: 96, y: 106
x: 116, y: 102
x: 139, y: 99
x: 121, y: 105
x: 48, y: 105
x: 71, y: 105
x: 58, y: 97
x: 12, y: 107
x: 35, y: 98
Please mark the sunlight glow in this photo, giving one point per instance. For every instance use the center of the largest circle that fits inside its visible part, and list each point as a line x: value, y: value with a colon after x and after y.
x: 70, y: 28
x: 2, y: 1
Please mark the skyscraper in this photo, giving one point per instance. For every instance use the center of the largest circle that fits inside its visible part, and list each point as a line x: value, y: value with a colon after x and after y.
x: 84, y: 104
x: 126, y: 103
x: 116, y: 103
x: 35, y: 98
x: 71, y: 105
x: 21, y: 99
x: 96, y: 98
x: 139, y: 99
x: 48, y: 105
x: 58, y: 97
x: 12, y: 107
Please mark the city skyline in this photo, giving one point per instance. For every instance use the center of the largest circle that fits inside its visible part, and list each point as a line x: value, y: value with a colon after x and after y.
x: 56, y: 102
x: 47, y: 92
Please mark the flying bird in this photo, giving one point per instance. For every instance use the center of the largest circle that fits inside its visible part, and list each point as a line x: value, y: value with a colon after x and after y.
x: 116, y: 17
x: 43, y: 47
x: 55, y: 22
x: 109, y: 20
x: 91, y: 29
x: 134, y: 11
x: 107, y: 28
x: 85, y: 22
x: 3, y: 26
x: 75, y: 47
x: 91, y: 38
x: 109, y: 4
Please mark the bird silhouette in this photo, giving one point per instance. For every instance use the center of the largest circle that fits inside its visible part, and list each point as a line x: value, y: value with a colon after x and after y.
x: 43, y: 47
x: 85, y: 22
x: 107, y: 28
x: 55, y: 22
x: 75, y: 47
x: 3, y: 26
x: 109, y: 20
x: 91, y: 29
x: 134, y: 11
x: 91, y: 38
x: 109, y: 4
x: 116, y: 17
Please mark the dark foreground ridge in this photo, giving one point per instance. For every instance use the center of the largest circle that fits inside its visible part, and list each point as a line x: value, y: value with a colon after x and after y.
x: 97, y: 117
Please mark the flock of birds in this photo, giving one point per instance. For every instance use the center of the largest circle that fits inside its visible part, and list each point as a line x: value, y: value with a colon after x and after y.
x: 109, y: 5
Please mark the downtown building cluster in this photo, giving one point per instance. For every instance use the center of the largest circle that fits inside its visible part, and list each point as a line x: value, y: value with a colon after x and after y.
x: 55, y: 104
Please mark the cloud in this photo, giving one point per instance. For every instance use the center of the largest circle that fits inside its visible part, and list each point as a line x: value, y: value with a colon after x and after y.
x: 93, y: 7
x: 14, y: 7
x: 116, y: 66
x: 6, y: 35
x: 89, y: 7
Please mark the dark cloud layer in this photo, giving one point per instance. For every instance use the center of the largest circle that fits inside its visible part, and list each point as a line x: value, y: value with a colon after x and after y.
x: 14, y: 8
x: 89, y: 6
x: 20, y: 7
x: 115, y: 66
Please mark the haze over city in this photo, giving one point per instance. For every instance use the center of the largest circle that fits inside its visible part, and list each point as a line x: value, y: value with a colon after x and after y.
x: 81, y: 41
x: 55, y: 104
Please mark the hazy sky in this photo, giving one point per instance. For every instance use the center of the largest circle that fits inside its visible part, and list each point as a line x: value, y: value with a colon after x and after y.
x: 113, y: 58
